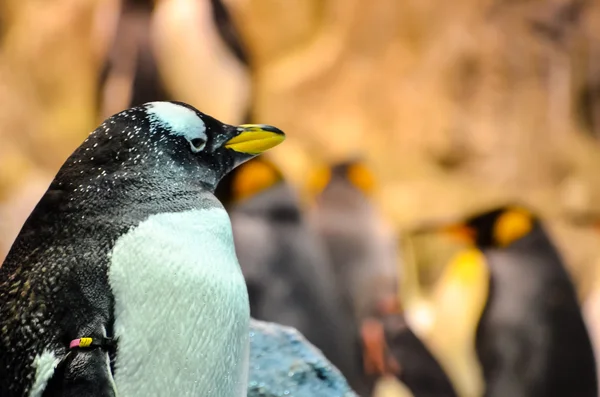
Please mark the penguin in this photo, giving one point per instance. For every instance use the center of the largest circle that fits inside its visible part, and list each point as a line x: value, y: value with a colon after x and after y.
x: 397, y: 351
x: 289, y: 277
x: 531, y: 339
x: 130, y: 75
x: 124, y: 279
x: 362, y: 251
x: 418, y: 368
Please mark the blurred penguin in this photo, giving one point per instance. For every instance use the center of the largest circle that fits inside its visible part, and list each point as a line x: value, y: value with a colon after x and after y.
x: 289, y: 279
x: 402, y: 354
x: 359, y: 242
x: 591, y: 305
x: 132, y: 72
x: 531, y: 339
x: 130, y: 76
x: 444, y: 313
x: 365, y: 258
x: 418, y: 368
x: 363, y: 253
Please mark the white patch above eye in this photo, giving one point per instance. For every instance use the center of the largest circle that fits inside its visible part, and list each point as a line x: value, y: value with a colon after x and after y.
x: 180, y: 121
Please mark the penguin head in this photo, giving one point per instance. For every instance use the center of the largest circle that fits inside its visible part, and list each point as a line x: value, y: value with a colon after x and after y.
x: 171, y: 140
x: 496, y: 228
x: 248, y: 180
x: 353, y: 173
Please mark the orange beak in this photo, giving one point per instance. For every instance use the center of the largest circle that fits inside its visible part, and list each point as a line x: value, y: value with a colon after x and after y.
x: 460, y: 232
x: 377, y: 359
x: 388, y: 305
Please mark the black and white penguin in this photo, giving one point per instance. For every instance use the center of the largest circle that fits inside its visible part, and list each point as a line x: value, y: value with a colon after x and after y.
x: 531, y: 339
x: 124, y: 279
x: 288, y: 274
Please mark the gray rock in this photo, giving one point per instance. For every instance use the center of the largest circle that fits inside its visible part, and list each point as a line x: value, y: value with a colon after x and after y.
x: 283, y: 363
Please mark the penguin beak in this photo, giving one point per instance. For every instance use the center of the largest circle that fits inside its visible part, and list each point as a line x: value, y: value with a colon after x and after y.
x: 254, y: 139
x: 460, y: 232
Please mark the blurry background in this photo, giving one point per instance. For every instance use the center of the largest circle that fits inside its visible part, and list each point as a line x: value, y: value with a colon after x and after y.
x: 455, y: 106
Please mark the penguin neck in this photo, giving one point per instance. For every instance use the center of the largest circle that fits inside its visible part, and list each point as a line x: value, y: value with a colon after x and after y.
x: 140, y: 189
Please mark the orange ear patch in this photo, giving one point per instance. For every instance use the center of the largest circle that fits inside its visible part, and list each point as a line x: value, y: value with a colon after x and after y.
x: 318, y: 180
x: 511, y: 226
x: 361, y: 177
x: 253, y: 178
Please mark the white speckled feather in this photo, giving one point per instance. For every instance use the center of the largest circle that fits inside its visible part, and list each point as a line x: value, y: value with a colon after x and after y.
x: 181, y: 308
x: 44, y: 364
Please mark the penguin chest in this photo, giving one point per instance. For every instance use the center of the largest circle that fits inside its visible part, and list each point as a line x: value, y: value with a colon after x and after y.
x: 181, y: 308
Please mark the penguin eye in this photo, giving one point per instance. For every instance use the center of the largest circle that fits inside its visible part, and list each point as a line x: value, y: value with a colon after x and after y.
x: 197, y: 144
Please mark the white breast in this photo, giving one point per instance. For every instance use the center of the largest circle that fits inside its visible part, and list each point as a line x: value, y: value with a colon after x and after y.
x: 181, y: 308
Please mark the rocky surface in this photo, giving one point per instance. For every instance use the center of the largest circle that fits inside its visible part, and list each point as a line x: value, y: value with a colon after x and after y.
x: 284, y: 363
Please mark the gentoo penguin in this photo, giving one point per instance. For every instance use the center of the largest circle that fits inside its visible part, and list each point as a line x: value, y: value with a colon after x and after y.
x: 289, y: 277
x: 531, y: 339
x: 124, y: 280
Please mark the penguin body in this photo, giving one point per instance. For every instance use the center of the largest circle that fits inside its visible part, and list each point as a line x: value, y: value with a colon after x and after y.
x: 289, y: 278
x: 161, y: 255
x: 531, y: 339
x: 420, y: 371
x: 361, y: 250
x: 124, y: 279
x: 533, y: 318
x: 360, y: 245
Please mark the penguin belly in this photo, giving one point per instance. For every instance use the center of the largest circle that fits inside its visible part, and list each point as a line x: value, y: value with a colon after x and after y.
x: 181, y: 308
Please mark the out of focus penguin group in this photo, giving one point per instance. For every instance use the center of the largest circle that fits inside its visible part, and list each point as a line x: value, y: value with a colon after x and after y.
x: 530, y: 338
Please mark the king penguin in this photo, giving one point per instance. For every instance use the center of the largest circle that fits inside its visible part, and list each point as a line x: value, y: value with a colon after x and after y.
x: 124, y: 279
x: 361, y: 248
x: 360, y: 244
x: 531, y: 339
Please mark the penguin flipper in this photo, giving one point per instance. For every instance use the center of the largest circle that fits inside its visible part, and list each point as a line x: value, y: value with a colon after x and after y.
x: 83, y: 373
